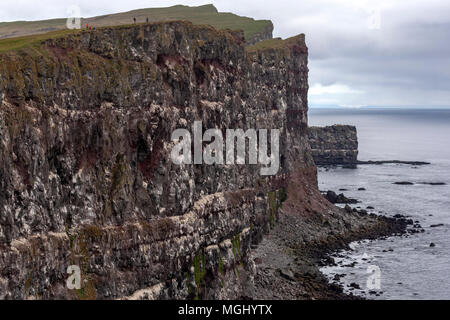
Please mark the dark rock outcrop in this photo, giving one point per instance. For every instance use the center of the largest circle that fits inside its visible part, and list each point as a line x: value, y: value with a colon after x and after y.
x: 339, y: 198
x: 404, y: 183
x: 334, y: 145
x: 434, y: 183
x: 380, y: 162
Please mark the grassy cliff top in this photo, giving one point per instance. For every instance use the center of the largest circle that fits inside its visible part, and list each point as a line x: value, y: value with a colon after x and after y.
x: 206, y: 14
x: 277, y: 43
x: 32, y: 43
x: 12, y: 44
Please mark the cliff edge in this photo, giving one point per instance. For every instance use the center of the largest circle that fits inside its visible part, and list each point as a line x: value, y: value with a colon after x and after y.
x: 254, y: 30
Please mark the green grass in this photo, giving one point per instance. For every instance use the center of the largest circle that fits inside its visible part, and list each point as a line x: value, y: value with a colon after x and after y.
x: 31, y: 41
x: 206, y: 14
x: 23, y: 28
x: 273, y: 43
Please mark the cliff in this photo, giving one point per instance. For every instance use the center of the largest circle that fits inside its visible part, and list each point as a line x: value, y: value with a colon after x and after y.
x: 85, y: 172
x: 334, y: 145
x: 254, y: 30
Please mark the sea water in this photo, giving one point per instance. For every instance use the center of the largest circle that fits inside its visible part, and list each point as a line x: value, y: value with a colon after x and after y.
x: 407, y: 267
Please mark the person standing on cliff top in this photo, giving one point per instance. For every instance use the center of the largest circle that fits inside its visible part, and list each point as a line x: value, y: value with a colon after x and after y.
x: 134, y: 20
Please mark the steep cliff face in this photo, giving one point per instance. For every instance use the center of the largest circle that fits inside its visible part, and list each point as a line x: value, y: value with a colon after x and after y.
x: 334, y: 145
x: 85, y: 172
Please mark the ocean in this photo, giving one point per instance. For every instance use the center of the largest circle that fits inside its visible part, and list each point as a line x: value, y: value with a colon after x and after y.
x: 406, y: 267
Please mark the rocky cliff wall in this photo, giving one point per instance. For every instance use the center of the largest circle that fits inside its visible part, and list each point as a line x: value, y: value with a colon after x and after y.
x: 334, y: 145
x: 85, y: 172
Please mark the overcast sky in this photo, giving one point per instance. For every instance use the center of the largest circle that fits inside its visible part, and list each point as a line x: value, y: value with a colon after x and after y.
x: 362, y: 52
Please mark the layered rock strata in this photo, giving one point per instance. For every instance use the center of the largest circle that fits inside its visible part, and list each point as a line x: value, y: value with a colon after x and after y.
x: 86, y: 177
x: 334, y: 145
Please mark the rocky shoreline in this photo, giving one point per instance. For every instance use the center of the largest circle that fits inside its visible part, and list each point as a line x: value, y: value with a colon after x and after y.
x: 288, y: 261
x: 379, y: 162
